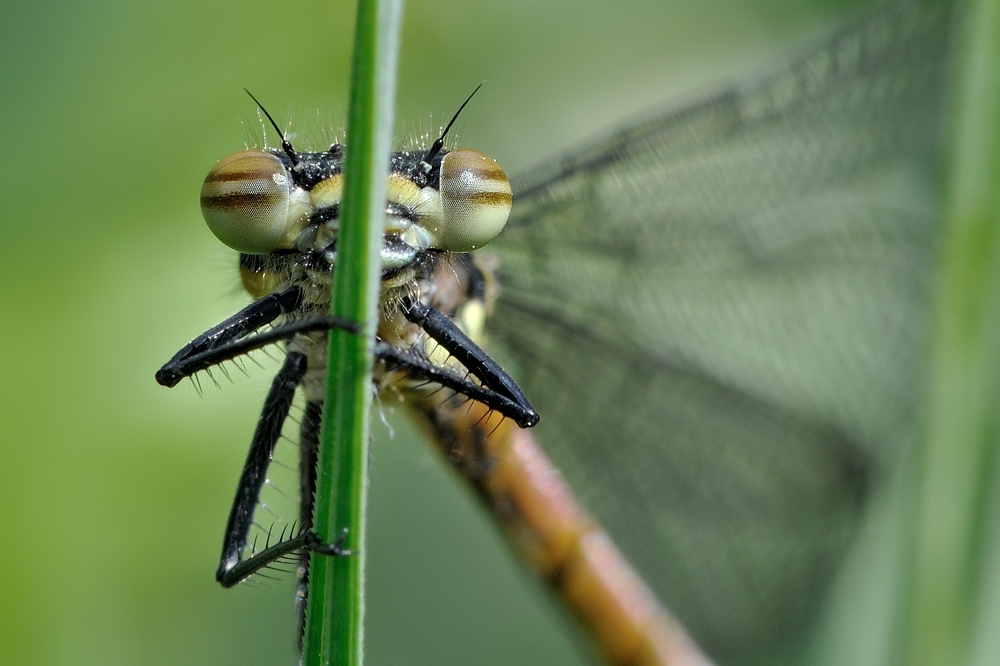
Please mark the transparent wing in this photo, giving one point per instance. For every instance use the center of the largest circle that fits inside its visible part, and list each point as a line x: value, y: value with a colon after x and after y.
x: 721, y: 314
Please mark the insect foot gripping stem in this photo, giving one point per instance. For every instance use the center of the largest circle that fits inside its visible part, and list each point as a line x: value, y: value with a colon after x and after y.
x: 229, y: 576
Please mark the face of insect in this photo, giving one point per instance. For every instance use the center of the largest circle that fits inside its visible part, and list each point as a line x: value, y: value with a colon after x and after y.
x: 281, y: 211
x: 260, y: 202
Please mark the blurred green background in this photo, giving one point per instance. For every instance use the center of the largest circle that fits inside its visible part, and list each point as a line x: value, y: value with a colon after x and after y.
x: 115, y: 490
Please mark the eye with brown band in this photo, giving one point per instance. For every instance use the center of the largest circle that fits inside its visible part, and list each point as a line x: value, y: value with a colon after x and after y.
x: 475, y: 199
x: 251, y: 203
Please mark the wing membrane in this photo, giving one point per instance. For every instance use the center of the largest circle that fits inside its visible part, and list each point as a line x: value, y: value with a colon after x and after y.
x: 721, y: 314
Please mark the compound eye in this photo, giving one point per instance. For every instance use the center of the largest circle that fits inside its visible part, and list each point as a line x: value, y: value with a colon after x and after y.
x: 251, y: 203
x: 475, y: 198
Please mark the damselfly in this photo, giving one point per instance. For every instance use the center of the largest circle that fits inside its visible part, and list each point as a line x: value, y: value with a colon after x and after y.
x: 719, y: 312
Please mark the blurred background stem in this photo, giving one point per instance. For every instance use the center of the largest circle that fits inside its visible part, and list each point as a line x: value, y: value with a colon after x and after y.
x: 956, y: 472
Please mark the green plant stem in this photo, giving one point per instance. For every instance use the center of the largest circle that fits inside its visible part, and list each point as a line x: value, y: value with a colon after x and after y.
x: 335, y: 611
x: 957, y: 467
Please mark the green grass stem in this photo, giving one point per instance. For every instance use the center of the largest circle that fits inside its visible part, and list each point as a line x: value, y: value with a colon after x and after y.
x: 335, y: 613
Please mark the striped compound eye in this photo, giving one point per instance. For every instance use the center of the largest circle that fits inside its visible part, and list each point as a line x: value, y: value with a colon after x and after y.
x: 475, y: 200
x: 251, y: 203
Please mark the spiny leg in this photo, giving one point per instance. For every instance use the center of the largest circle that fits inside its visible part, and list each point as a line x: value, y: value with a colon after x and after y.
x: 265, y: 437
x: 180, y: 367
x: 444, y: 331
x: 259, y: 313
x: 416, y: 367
x: 308, y: 454
x: 276, y: 406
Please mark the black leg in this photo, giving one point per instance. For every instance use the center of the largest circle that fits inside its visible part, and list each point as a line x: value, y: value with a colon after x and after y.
x: 182, y: 366
x: 279, y: 399
x: 308, y: 453
x: 307, y: 541
x: 259, y: 313
x: 309, y: 450
x: 417, y: 367
x: 442, y: 329
x: 272, y: 419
